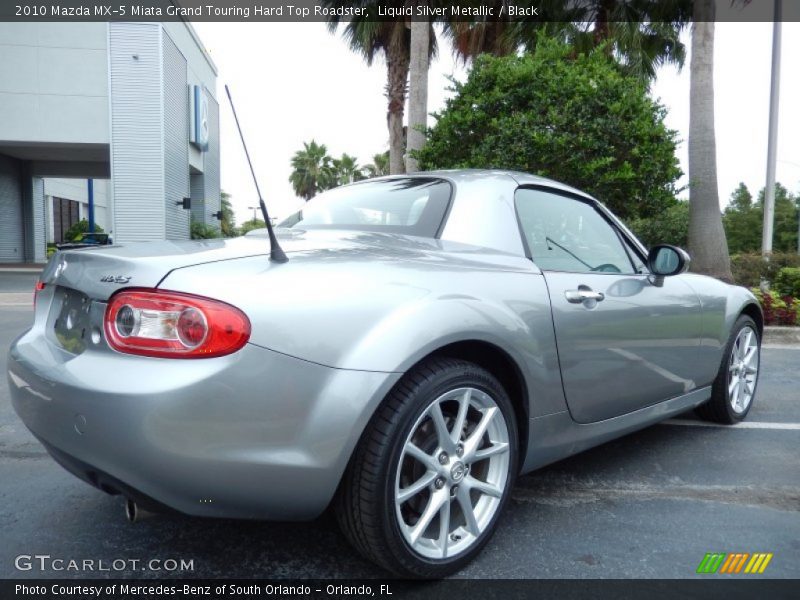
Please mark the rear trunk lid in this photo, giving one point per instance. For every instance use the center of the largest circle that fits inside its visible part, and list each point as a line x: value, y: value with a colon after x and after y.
x: 100, y: 271
x: 78, y: 282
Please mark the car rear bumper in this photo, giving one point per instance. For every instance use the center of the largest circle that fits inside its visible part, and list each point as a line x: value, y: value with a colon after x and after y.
x: 255, y: 434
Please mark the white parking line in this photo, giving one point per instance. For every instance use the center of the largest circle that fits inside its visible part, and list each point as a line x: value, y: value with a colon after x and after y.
x: 787, y: 346
x: 16, y: 299
x: 742, y: 425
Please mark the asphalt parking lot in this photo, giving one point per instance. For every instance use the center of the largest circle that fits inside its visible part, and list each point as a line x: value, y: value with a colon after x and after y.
x: 649, y: 505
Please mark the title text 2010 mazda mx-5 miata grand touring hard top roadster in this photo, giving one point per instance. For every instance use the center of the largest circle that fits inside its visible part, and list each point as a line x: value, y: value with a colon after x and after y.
x: 431, y: 337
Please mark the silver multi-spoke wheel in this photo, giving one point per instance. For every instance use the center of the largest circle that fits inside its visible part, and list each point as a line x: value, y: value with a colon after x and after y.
x: 452, y: 473
x: 743, y: 370
x: 734, y: 388
x: 426, y: 485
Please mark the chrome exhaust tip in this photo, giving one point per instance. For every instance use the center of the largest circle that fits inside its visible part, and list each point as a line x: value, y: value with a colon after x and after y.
x: 135, y: 513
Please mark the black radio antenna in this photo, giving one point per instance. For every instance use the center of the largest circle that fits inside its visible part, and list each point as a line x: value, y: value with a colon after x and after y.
x: 276, y: 252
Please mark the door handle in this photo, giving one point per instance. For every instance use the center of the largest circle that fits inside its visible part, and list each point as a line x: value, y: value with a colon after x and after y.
x: 582, y: 294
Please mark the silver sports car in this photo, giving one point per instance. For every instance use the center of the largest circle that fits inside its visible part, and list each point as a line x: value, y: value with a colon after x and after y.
x: 430, y: 338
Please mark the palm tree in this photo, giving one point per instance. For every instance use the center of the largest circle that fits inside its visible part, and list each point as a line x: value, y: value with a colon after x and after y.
x: 643, y: 34
x: 499, y: 34
x: 418, y: 90
x: 228, y: 222
x: 347, y: 170
x: 469, y: 38
x: 391, y: 39
x: 379, y: 166
x: 640, y: 34
x: 312, y: 170
x: 707, y: 242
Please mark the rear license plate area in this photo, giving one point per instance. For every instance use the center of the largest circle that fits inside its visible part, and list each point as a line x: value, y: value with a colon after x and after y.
x: 70, y: 322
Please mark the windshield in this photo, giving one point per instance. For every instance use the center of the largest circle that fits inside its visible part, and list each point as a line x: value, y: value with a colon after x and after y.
x: 411, y: 205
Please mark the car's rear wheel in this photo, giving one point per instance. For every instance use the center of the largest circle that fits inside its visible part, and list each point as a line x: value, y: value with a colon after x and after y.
x: 432, y: 472
x: 734, y: 388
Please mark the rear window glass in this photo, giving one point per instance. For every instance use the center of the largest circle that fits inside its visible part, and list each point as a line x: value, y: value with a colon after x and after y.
x: 410, y: 205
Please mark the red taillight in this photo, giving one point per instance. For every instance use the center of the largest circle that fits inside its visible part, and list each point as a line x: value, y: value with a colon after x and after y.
x: 173, y: 325
x: 38, y: 288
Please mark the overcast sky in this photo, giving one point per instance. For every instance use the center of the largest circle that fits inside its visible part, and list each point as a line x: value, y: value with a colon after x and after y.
x: 295, y: 81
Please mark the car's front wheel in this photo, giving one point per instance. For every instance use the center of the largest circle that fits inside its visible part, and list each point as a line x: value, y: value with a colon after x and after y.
x: 432, y: 472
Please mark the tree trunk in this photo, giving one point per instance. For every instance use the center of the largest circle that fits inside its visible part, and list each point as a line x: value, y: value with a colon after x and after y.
x: 397, y: 74
x: 602, y: 29
x: 707, y: 243
x: 418, y: 91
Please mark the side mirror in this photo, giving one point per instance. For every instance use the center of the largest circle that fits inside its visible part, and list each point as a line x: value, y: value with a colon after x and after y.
x: 664, y: 260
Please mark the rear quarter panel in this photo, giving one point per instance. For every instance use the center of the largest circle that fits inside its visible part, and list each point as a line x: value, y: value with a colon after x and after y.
x: 386, y: 315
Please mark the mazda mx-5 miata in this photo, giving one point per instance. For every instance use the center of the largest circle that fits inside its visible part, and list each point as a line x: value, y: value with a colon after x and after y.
x: 431, y: 337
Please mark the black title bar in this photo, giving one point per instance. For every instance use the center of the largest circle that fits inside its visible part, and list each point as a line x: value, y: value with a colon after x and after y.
x: 379, y: 10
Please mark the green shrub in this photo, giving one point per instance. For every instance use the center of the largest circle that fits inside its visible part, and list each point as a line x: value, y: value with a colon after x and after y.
x: 787, y: 282
x: 250, y: 225
x: 201, y: 231
x: 778, y: 310
x: 670, y: 226
x: 569, y: 116
x: 750, y: 268
x: 74, y: 233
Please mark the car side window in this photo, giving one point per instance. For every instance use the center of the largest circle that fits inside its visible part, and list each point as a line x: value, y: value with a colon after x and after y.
x: 567, y: 234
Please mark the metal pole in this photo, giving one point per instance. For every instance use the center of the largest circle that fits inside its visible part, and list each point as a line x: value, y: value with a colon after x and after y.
x: 772, y: 142
x: 90, y: 190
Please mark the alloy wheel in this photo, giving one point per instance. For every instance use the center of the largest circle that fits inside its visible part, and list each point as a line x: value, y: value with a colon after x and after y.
x: 452, y: 473
x: 743, y: 369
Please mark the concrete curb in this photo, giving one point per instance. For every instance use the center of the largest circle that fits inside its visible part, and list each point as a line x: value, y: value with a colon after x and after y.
x: 782, y: 336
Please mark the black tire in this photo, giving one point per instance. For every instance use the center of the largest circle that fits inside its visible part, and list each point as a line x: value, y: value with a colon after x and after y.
x: 718, y: 409
x: 365, y: 506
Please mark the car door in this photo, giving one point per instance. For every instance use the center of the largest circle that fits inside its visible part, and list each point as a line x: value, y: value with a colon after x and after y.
x: 625, y: 339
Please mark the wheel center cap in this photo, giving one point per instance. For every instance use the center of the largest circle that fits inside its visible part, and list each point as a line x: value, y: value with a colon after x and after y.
x: 457, y: 471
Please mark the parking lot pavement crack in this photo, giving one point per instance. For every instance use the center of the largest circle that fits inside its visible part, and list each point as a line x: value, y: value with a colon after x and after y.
x: 21, y: 454
x: 780, y: 498
x: 21, y: 451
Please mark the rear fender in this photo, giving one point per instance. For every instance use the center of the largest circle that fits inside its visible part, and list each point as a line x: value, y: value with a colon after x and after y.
x: 524, y: 332
x: 722, y: 305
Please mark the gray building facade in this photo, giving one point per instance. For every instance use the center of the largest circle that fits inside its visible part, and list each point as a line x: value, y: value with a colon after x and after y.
x: 133, y: 103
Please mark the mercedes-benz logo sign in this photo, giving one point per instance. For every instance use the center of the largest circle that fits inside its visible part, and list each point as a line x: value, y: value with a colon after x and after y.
x: 204, y: 131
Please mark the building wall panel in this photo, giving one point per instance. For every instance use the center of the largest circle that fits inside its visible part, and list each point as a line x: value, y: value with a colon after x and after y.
x: 211, y: 165
x: 33, y: 223
x: 137, y: 139
x: 37, y: 249
x: 54, y: 82
x: 198, y: 193
x: 176, y: 144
